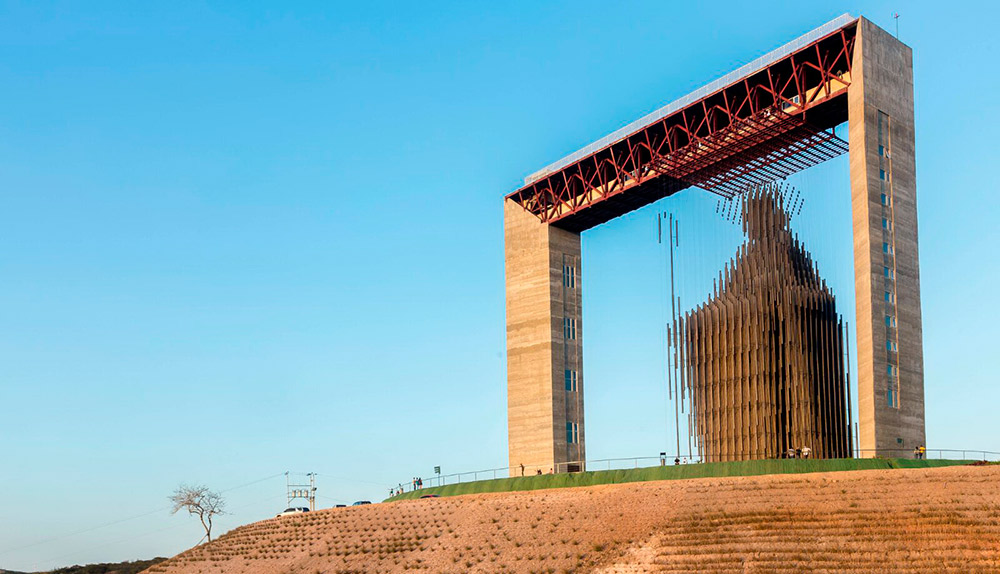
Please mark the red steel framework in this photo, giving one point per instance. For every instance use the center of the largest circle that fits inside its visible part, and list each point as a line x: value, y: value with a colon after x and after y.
x: 762, y: 128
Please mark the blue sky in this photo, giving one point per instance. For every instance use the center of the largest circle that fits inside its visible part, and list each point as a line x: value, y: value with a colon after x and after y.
x: 238, y: 239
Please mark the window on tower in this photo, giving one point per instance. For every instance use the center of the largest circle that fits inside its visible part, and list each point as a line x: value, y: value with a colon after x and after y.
x: 569, y: 276
x: 571, y: 380
x: 572, y: 433
x: 569, y: 328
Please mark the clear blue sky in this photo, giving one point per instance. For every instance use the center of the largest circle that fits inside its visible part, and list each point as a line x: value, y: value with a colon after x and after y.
x: 238, y: 239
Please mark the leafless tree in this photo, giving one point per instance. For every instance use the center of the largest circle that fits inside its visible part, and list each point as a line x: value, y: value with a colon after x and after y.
x: 199, y: 501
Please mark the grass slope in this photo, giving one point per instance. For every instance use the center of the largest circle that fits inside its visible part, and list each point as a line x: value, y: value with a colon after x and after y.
x: 673, y: 472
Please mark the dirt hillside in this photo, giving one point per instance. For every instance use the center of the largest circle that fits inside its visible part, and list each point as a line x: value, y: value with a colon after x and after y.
x: 884, y: 521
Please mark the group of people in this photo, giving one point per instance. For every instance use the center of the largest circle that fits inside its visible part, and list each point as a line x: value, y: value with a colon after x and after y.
x: 537, y: 471
x: 920, y: 452
x: 417, y: 484
x: 803, y: 452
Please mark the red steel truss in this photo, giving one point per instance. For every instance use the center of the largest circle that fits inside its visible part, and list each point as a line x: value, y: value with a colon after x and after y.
x: 770, y: 124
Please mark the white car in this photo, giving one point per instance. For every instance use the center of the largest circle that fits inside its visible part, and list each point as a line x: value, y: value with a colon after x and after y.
x: 290, y: 511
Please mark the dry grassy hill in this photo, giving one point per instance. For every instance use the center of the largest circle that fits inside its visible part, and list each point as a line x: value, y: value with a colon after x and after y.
x: 884, y: 521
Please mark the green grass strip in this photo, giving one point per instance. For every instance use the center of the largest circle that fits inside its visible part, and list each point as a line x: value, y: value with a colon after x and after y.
x: 672, y: 472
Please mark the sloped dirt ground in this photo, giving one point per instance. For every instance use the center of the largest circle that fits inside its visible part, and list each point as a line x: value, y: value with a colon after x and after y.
x: 878, y: 521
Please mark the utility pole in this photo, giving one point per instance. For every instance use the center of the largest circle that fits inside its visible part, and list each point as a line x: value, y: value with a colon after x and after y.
x: 305, y: 492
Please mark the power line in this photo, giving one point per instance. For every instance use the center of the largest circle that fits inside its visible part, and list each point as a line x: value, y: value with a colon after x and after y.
x: 84, y: 531
x: 166, y: 509
x: 345, y: 479
x: 259, y: 480
x: 106, y: 544
x: 172, y: 527
x: 119, y: 521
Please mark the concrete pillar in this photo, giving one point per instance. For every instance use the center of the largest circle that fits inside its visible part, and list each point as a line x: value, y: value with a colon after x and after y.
x: 886, y: 266
x: 544, y: 345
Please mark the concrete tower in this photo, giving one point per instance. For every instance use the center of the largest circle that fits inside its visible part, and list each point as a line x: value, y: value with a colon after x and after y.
x: 544, y: 345
x: 886, y: 265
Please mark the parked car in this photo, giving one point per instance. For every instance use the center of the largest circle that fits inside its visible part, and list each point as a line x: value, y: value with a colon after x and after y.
x: 291, y: 511
x: 361, y: 503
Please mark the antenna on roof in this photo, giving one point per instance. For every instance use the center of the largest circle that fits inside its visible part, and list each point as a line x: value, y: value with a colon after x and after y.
x: 895, y: 16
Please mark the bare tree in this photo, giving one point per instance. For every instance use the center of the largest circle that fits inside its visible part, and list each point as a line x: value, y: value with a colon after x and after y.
x: 199, y: 501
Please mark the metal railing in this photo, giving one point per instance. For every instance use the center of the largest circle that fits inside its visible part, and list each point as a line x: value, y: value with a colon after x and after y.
x: 671, y: 460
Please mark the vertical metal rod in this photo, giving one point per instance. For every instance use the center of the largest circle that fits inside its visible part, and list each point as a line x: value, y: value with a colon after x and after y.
x: 858, y: 443
x: 673, y: 322
x: 667, y: 365
x: 670, y: 384
x: 852, y: 438
x: 677, y: 359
